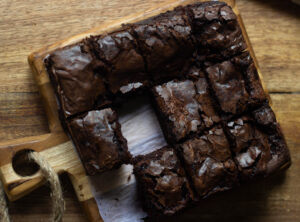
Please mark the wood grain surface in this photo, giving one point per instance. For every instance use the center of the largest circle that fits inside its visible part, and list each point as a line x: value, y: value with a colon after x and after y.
x: 274, y: 30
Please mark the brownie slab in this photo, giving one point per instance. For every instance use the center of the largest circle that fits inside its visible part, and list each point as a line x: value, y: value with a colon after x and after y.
x: 77, y: 79
x: 177, y: 109
x: 162, y: 183
x: 258, y: 144
x: 99, y: 141
x: 209, y: 163
x: 119, y: 51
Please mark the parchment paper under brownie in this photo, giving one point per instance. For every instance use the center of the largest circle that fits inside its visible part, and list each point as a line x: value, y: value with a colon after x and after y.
x: 162, y: 183
x: 99, y: 141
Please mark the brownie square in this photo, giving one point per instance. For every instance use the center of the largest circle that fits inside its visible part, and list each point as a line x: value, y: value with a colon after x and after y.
x: 209, y: 163
x: 236, y: 85
x: 217, y: 31
x: 127, y: 68
x: 162, y: 183
x: 208, y: 107
x: 99, y: 141
x: 77, y: 79
x: 177, y: 109
x: 258, y: 144
x: 166, y: 42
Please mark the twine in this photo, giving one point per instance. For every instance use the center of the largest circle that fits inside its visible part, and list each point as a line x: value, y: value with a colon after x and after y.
x: 58, y: 203
x: 3, y: 207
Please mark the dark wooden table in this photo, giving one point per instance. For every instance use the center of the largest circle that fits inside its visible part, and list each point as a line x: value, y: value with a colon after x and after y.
x: 274, y: 30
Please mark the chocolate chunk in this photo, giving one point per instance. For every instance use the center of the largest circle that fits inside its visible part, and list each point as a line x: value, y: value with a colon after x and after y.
x: 265, y: 117
x: 258, y: 145
x: 127, y: 68
x: 177, y: 109
x: 162, y: 182
x: 208, y: 162
x: 77, y: 78
x: 99, y: 141
x: 227, y: 13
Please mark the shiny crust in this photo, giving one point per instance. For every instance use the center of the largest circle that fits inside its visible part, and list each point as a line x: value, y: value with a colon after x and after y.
x: 98, y: 138
x: 162, y: 182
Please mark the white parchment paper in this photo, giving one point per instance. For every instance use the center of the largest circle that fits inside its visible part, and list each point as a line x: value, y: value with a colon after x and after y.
x: 115, y: 191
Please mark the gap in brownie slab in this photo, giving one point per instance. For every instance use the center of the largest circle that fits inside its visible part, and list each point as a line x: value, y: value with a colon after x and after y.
x: 140, y: 126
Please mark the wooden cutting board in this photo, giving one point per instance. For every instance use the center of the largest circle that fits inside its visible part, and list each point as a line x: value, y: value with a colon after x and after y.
x: 55, y: 146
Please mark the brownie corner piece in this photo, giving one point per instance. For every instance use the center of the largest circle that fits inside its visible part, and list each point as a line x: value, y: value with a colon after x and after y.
x: 208, y: 162
x: 99, y: 141
x: 217, y: 30
x: 162, y: 182
x: 258, y: 144
x: 177, y: 108
x: 77, y: 78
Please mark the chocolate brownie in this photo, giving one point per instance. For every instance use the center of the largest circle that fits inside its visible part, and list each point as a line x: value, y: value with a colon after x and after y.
x: 127, y: 68
x: 236, y: 85
x: 258, y: 144
x: 207, y: 104
x: 99, y: 141
x: 162, y: 183
x: 77, y: 79
x: 208, y: 162
x: 177, y: 109
x: 254, y: 87
x: 166, y: 42
x: 229, y: 87
x: 217, y: 31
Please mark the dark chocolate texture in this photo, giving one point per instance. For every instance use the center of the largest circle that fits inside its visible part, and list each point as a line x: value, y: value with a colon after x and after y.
x: 162, y: 183
x: 127, y: 69
x: 236, y: 85
x: 207, y: 104
x: 177, y: 109
x: 258, y: 144
x: 166, y: 43
x: 208, y: 162
x: 99, y: 141
x: 217, y: 31
x: 77, y: 78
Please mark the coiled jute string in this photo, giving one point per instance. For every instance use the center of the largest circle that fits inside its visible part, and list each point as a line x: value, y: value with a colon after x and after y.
x: 58, y: 203
x: 3, y: 207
